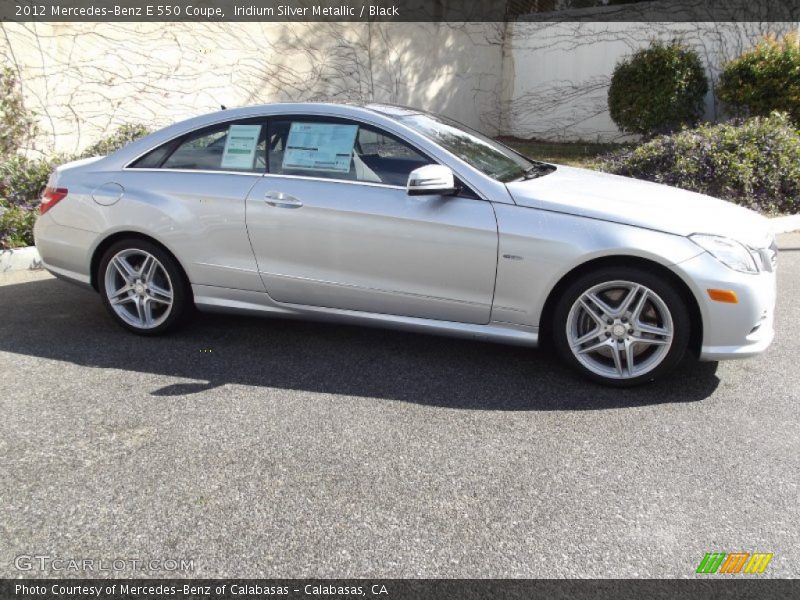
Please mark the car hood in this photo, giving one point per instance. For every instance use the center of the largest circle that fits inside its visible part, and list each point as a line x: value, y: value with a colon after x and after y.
x: 640, y: 203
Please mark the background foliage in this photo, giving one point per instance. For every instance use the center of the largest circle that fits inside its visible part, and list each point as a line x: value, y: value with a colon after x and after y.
x: 754, y: 163
x: 658, y: 89
x: 16, y: 124
x: 22, y: 180
x: 122, y: 136
x: 16, y: 227
x: 764, y: 79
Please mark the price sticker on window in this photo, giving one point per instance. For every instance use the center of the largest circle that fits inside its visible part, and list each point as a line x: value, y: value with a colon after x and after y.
x: 320, y: 147
x: 240, y: 147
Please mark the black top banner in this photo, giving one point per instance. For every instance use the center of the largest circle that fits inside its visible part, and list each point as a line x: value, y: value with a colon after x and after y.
x: 399, y: 10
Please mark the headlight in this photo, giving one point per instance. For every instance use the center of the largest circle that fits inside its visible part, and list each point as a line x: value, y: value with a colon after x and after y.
x: 729, y: 252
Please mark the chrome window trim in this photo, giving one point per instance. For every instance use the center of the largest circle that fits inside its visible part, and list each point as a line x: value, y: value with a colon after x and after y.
x: 184, y: 133
x: 207, y: 171
x: 267, y: 116
x: 270, y: 116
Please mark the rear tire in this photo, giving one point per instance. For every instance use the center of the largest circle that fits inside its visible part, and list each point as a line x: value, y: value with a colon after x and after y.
x: 621, y: 326
x: 143, y: 288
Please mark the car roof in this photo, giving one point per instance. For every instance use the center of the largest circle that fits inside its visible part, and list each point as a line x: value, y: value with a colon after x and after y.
x: 378, y: 112
x: 385, y: 109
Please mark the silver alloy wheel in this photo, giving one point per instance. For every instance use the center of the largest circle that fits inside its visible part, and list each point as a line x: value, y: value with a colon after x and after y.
x: 139, y: 288
x: 620, y: 329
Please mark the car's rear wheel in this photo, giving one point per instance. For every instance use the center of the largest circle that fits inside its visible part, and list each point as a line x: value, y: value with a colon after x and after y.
x: 142, y: 287
x: 621, y: 326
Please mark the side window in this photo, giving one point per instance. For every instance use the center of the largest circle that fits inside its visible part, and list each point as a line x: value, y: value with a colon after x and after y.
x: 340, y: 150
x: 386, y: 157
x: 154, y: 158
x: 199, y: 151
x: 239, y: 146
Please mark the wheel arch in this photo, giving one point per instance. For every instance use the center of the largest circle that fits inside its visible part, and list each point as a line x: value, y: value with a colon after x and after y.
x: 695, y: 316
x: 115, y: 237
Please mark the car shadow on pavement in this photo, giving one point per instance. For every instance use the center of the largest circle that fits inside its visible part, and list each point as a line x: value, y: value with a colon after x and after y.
x: 55, y: 320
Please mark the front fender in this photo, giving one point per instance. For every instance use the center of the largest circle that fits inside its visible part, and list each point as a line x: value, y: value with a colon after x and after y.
x: 538, y: 248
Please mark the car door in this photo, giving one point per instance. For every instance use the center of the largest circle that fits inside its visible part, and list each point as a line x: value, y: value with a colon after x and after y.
x: 202, y: 179
x: 331, y: 225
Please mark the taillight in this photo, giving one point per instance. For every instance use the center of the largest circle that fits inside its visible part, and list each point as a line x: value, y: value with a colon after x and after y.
x: 50, y: 197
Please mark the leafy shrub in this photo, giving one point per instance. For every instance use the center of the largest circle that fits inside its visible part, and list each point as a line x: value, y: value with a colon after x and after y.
x: 22, y: 179
x: 764, y: 79
x: 16, y: 227
x: 658, y: 89
x: 123, y: 136
x: 755, y: 163
x: 21, y: 183
x: 16, y: 123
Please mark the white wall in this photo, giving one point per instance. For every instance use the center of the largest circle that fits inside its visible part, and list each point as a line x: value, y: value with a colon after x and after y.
x: 84, y: 79
x: 556, y: 75
x: 545, y: 80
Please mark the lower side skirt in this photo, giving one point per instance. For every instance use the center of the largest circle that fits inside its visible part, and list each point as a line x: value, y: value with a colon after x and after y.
x: 225, y: 300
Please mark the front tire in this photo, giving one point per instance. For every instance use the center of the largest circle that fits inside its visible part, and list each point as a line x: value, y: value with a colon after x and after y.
x: 142, y: 287
x: 621, y: 326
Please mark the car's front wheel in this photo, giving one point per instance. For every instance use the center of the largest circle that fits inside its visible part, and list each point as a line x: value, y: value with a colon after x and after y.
x: 621, y: 326
x: 142, y: 287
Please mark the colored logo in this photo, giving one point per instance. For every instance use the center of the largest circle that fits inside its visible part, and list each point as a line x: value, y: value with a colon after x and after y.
x: 736, y: 562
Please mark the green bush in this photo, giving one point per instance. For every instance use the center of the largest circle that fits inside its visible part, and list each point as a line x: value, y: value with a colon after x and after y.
x: 123, y: 136
x: 22, y: 179
x: 16, y: 227
x: 658, y: 90
x: 21, y: 183
x: 16, y: 124
x: 764, y: 79
x: 754, y: 163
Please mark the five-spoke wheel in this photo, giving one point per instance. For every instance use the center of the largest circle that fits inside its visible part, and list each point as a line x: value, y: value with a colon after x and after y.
x: 621, y: 325
x: 142, y: 286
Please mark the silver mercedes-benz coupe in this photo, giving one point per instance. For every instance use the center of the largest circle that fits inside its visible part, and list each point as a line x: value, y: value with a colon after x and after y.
x: 390, y: 216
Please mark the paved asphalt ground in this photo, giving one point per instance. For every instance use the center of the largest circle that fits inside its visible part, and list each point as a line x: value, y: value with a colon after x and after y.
x: 277, y: 448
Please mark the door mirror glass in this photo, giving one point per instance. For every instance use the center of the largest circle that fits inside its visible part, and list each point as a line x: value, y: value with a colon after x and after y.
x: 431, y: 179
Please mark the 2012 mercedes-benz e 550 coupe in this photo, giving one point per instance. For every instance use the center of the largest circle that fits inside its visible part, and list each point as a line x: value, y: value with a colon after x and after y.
x: 391, y: 216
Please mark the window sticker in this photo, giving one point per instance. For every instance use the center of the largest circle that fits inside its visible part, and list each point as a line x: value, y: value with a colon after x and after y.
x: 240, y: 147
x: 320, y: 147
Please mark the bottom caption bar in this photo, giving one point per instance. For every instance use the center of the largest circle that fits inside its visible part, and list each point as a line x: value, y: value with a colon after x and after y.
x: 395, y: 589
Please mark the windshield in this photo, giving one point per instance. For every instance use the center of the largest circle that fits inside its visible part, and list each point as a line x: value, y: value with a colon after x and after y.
x: 488, y: 156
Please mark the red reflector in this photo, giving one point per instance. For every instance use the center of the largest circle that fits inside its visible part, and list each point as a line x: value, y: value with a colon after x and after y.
x: 51, y: 197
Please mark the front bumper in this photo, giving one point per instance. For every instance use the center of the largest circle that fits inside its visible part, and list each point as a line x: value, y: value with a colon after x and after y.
x: 730, y: 330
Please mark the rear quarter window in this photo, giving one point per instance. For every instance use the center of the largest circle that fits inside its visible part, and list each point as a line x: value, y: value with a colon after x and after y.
x: 238, y: 146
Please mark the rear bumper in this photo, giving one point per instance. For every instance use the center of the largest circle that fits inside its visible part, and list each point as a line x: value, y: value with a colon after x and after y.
x: 64, y: 250
x: 730, y: 331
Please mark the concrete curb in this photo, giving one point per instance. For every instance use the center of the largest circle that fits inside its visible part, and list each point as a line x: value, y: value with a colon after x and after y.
x: 20, y: 259
x: 785, y: 224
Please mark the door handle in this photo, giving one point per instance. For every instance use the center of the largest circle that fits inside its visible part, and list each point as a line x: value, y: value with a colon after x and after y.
x: 281, y: 200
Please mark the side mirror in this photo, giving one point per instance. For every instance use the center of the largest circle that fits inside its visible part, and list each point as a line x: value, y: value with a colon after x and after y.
x: 431, y: 179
